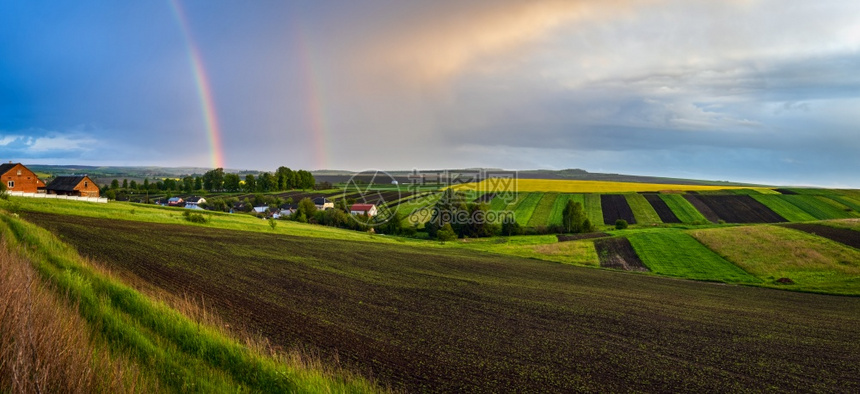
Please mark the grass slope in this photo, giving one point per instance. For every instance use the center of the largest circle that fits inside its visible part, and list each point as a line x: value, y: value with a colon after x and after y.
x: 771, y: 252
x: 682, y: 208
x: 558, y: 207
x: 180, y: 353
x: 675, y: 253
x: 782, y: 207
x: 642, y: 209
x: 817, y: 207
x: 543, y: 210
x: 456, y: 320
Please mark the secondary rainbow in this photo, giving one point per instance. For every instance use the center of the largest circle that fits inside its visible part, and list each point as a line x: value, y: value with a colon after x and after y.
x: 204, y: 90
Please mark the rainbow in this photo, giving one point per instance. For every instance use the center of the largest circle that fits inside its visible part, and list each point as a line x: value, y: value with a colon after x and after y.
x: 313, y: 91
x: 204, y: 91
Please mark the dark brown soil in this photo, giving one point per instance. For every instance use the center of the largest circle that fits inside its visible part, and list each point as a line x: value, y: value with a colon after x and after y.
x: 450, y: 320
x: 735, y: 208
x: 663, y: 210
x: 842, y: 235
x: 617, y: 253
x: 574, y: 237
x: 700, y: 206
x: 615, y: 207
x: 786, y: 191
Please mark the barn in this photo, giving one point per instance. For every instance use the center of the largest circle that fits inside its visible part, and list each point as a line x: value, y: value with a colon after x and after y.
x: 19, y: 178
x: 73, y: 185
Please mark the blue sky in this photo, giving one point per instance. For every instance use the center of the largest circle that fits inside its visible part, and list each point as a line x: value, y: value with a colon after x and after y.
x: 761, y: 91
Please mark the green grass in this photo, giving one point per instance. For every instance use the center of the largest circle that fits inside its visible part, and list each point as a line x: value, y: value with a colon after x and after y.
x: 593, y: 209
x: 543, y: 210
x: 526, y: 207
x: 830, y: 200
x: 558, y: 206
x: 541, y: 247
x: 772, y: 252
x: 675, y: 253
x: 851, y: 202
x: 817, y: 207
x: 682, y: 208
x: 642, y: 209
x: 181, y: 354
x: 784, y: 208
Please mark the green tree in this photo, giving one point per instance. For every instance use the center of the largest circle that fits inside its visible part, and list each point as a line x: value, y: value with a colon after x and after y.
x: 620, y: 224
x: 446, y: 233
x: 125, y: 184
x: 306, y: 208
x: 188, y: 184
x: 573, y: 218
x: 511, y: 227
x: 198, y: 183
x: 266, y: 182
x: 250, y: 183
x: 114, y: 184
x: 133, y: 185
x: 213, y: 180
x: 231, y: 182
x: 284, y: 177
x: 4, y: 194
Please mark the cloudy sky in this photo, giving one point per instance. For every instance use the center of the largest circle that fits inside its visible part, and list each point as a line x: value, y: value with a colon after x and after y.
x: 745, y: 90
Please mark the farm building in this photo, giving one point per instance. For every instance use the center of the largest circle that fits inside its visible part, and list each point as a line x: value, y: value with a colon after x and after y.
x: 19, y: 178
x: 194, y: 202
x: 175, y: 202
x: 363, y: 209
x: 323, y: 203
x: 73, y: 185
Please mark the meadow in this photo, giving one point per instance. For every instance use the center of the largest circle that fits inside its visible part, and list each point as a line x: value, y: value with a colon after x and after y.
x: 453, y: 319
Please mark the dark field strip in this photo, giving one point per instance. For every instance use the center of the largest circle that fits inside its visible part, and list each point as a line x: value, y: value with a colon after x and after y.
x: 786, y: 191
x: 842, y: 235
x: 615, y: 207
x: 663, y: 210
x: 618, y: 253
x: 575, y: 237
x: 737, y: 209
x: 700, y: 206
x: 450, y: 320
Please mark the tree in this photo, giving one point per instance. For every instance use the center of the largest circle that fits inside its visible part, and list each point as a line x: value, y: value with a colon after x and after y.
x: 620, y: 224
x: 188, y: 184
x: 272, y: 223
x: 114, y: 184
x: 3, y: 193
x: 573, y: 218
x: 145, y: 183
x: 231, y: 182
x: 125, y: 184
x: 198, y: 183
x: 133, y: 185
x: 213, y: 180
x: 306, y: 208
x: 284, y: 177
x: 250, y: 183
x: 446, y: 233
x: 511, y: 227
x: 266, y: 182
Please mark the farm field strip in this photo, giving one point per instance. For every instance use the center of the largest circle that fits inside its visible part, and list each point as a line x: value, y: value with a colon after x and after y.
x: 618, y: 253
x: 526, y: 206
x: 675, y: 253
x: 782, y: 207
x: 661, y: 208
x: 738, y: 209
x: 576, y: 186
x: 593, y: 208
x: 543, y: 210
x: 851, y: 202
x: 615, y: 207
x: 842, y: 235
x: 683, y: 210
x: 642, y: 209
x: 702, y: 208
x: 559, y: 204
x: 815, y: 207
x: 774, y: 252
x: 829, y: 200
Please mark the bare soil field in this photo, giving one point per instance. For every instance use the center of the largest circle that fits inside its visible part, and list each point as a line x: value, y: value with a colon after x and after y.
x: 617, y: 253
x: 453, y: 320
x: 842, y: 235
x: 663, y: 210
x: 615, y: 207
x: 735, y: 208
x: 575, y: 237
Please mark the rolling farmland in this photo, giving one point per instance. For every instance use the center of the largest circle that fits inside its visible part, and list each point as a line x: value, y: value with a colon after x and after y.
x: 784, y: 208
x: 456, y: 320
x: 574, y: 186
x: 642, y: 209
x: 543, y: 210
x: 682, y: 208
x: 662, y: 209
x: 815, y: 206
x: 614, y: 208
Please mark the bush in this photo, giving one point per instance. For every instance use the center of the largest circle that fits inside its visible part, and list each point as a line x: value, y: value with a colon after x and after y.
x: 620, y: 224
x: 194, y: 217
x: 446, y: 233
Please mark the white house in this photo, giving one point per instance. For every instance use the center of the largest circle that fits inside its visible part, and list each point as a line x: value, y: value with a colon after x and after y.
x: 194, y: 202
x: 323, y: 203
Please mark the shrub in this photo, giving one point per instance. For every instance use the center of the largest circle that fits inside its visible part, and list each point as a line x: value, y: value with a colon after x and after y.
x: 194, y: 217
x: 620, y: 224
x: 446, y: 233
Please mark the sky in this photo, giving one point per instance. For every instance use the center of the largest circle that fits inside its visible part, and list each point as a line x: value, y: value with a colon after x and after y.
x: 762, y: 91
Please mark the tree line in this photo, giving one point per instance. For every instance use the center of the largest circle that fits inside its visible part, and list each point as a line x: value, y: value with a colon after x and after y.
x: 217, y: 180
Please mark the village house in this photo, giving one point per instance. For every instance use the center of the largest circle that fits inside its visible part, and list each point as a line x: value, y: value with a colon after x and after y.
x: 363, y: 209
x: 73, y: 185
x: 195, y: 202
x: 18, y: 178
x: 323, y: 203
x: 175, y: 202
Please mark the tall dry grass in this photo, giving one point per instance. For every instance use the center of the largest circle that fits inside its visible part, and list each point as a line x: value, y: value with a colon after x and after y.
x: 45, y: 346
